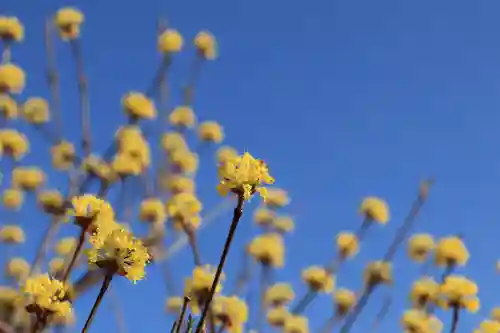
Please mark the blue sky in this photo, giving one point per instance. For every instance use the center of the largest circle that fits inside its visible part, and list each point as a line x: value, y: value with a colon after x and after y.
x: 343, y: 99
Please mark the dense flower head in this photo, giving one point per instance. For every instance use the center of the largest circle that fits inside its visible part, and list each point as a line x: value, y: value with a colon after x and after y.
x: 12, y: 234
x: 375, y: 209
x: 69, y: 20
x: 206, y: 44
x: 263, y: 216
x: 8, y: 107
x: 488, y: 326
x: 66, y: 246
x: 378, y: 272
x: 137, y: 105
x: 319, y: 279
x: 122, y: 252
x: 51, y: 201
x: 46, y: 294
x: 296, y: 324
x: 11, y: 29
x: 420, y: 246
x: 277, y: 316
x: 232, y: 312
x: 63, y: 155
x: 14, y: 143
x: 18, y: 268
x: 279, y: 294
x: 203, y: 277
x: 458, y: 291
x: 416, y: 321
x: 28, y: 178
x: 178, y: 183
x: 174, y: 304
x: 12, y: 198
x: 424, y: 291
x: 283, y: 224
x: 211, y: 131
x: 347, y: 244
x: 172, y: 141
x: 184, y: 208
x: 243, y: 176
x: 268, y: 249
x: 185, y: 161
x: 225, y: 154
x: 277, y: 198
x: 170, y: 41
x: 152, y: 210
x: 56, y: 266
x: 183, y: 117
x: 344, y: 300
x: 12, y: 78
x: 451, y: 251
x: 36, y: 110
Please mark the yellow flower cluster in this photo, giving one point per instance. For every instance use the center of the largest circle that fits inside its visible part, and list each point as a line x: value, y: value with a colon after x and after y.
x: 268, y: 249
x: 45, y: 294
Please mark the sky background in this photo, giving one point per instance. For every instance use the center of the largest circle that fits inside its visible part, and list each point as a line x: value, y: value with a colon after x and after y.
x: 343, y: 99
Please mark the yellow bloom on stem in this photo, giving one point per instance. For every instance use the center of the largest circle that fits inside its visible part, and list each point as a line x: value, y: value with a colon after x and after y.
x: 66, y: 246
x: 458, y: 291
x: 172, y: 141
x: 11, y: 29
x: 174, y: 304
x: 184, y: 160
x: 97, y: 167
x: 170, y: 41
x: 244, y: 175
x: 14, y: 143
x: 277, y: 198
x: 488, y: 326
x: 12, y: 78
x: 121, y: 253
x: 296, y: 324
x: 36, y: 111
x: 344, y: 300
x: 347, y: 244
x: 232, y: 312
x: 263, y: 216
x: 226, y: 153
x: 51, y: 201
x: 12, y: 198
x: 211, y: 131
x: 28, y: 178
x: 416, y: 321
x: 126, y: 165
x: 12, y: 234
x: 202, y: 279
x: 18, y: 268
x: 318, y: 279
x: 56, y: 266
x: 420, y: 246
x: 206, y: 44
x: 184, y: 206
x: 46, y: 295
x: 277, y: 316
x: 375, y: 209
x: 378, y: 272
x: 182, y: 116
x: 8, y: 295
x: 152, y: 210
x: 283, y: 224
x: 137, y: 105
x: 424, y: 291
x: 451, y: 251
x: 268, y: 249
x: 68, y: 20
x: 8, y: 107
x: 279, y: 294
x: 178, y: 184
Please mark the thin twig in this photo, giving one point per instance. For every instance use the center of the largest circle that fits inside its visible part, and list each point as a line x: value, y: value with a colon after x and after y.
x: 104, y: 288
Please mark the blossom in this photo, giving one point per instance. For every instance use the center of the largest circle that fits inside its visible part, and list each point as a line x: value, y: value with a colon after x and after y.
x: 170, y: 41
x: 69, y: 20
x: 296, y: 324
x: 318, y: 279
x: 347, y: 244
x: 344, y: 300
x: 137, y: 105
x: 378, y: 272
x: 451, y: 251
x: 375, y: 209
x: 12, y: 78
x: 268, y: 249
x: 46, y: 294
x: 232, y: 312
x: 244, y: 175
x: 8, y: 106
x: 458, y: 291
x: 279, y: 294
x: 277, y: 316
x: 211, y: 131
x: 18, y: 268
x: 66, y: 246
x: 182, y: 116
x: 36, y: 110
x: 419, y: 247
x: 121, y: 252
x: 12, y: 234
x: 11, y: 29
x: 206, y: 44
x: 12, y: 198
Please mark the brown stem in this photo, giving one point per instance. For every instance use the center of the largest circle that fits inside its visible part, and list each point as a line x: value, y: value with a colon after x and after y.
x: 104, y: 288
x: 238, y: 212
x: 358, y: 308
x: 455, y: 318
x: 6, y: 54
x: 384, y: 309
x: 183, y: 313
x: 330, y: 324
x: 76, y: 49
x: 265, y: 278
x: 193, y: 244
x: 52, y: 77
x: 79, y: 247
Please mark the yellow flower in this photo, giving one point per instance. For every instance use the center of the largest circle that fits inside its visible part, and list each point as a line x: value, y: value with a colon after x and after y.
x: 202, y: 279
x: 277, y: 316
x: 28, y: 178
x: 458, y: 291
x: 52, y: 202
x: 375, y: 209
x: 46, y: 294
x: 174, y: 304
x: 12, y: 198
x: 68, y: 20
x: 36, y: 111
x: 318, y: 279
x: 232, y: 312
x: 378, y: 272
x: 185, y: 161
x: 225, y: 154
x: 419, y: 247
x: 185, y: 207
x: 296, y: 324
x: 283, y: 224
x: 178, y: 184
x: 264, y: 216
x: 211, y: 131
x: 495, y: 314
x: 344, y: 300
x: 279, y: 294
x: 268, y: 249
x: 172, y: 141
x: 18, y: 268
x: 63, y: 155
x: 451, y: 251
x: 126, y: 165
x: 12, y: 234
x: 137, y: 105
x: 8, y: 295
x: 12, y: 78
x: 206, y: 44
x: 277, y: 198
x: 122, y: 252
x: 170, y: 41
x: 423, y: 291
x: 489, y: 326
x: 56, y: 266
x: 347, y: 244
x: 8, y: 106
x: 244, y: 175
x: 66, y: 246
x: 97, y: 167
x: 415, y: 321
x: 152, y: 210
x: 11, y: 29
x: 14, y: 143
x: 182, y: 116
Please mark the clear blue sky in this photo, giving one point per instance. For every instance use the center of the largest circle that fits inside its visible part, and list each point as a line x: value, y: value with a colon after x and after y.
x: 343, y: 99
